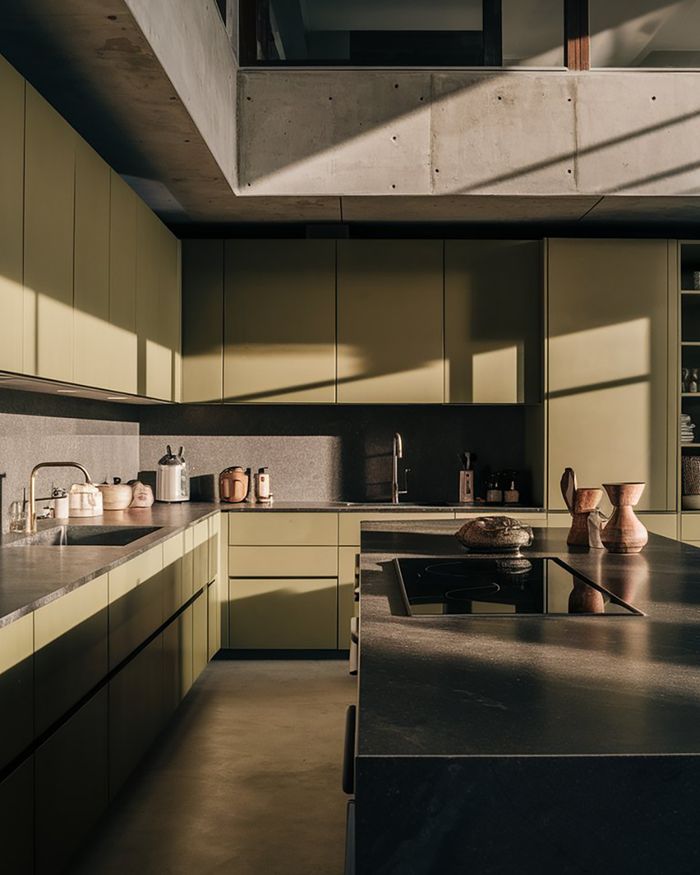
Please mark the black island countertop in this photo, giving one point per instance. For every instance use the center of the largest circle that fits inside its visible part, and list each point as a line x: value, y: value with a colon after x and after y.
x: 463, y: 720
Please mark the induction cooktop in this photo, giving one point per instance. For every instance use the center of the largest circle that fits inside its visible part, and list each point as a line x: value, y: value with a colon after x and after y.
x: 501, y: 586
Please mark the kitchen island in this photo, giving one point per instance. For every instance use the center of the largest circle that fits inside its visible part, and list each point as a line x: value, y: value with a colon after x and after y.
x: 506, y: 744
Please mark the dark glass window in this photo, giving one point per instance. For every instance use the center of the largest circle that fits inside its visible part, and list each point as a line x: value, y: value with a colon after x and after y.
x: 402, y: 33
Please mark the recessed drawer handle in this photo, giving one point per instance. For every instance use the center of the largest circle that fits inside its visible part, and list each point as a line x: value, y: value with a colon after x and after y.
x: 349, y: 751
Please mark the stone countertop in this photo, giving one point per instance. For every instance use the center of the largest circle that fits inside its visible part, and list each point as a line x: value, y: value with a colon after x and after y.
x: 36, y: 575
x: 374, y: 507
x: 530, y: 686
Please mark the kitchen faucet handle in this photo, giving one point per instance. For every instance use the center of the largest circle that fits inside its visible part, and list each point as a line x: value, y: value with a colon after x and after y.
x: 406, y: 472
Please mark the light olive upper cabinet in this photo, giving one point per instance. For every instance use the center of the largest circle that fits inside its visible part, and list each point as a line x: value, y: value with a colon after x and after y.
x: 390, y: 321
x: 124, y: 204
x: 610, y: 407
x: 202, y: 320
x: 50, y: 146
x: 93, y: 355
x: 279, y: 321
x: 11, y: 216
x: 157, y: 306
x: 493, y: 321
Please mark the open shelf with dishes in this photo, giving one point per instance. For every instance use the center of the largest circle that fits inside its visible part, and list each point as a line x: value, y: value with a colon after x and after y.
x: 689, y: 382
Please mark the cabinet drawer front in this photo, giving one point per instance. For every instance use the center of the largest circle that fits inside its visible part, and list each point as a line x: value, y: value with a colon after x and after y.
x: 16, y: 687
x: 16, y: 642
x: 349, y: 523
x: 690, y: 527
x: 200, y: 533
x: 285, y: 529
x: 283, y: 561
x: 283, y: 614
x: 173, y: 549
x: 131, y: 574
x: 136, y: 615
x: 59, y: 617
x: 71, y: 650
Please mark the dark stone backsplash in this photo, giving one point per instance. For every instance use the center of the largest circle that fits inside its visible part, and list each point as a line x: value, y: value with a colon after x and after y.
x: 433, y: 436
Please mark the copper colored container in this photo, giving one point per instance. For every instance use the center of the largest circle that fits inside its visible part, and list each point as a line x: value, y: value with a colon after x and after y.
x: 624, y: 531
x: 586, y: 500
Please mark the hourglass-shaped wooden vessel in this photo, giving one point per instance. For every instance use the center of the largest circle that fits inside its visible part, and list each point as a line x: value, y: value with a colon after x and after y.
x: 624, y: 531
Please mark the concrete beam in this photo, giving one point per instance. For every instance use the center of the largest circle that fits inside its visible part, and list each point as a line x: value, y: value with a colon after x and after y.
x: 459, y: 133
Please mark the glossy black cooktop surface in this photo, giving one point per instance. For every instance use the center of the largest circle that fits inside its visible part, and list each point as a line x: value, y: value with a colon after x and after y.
x: 500, y: 586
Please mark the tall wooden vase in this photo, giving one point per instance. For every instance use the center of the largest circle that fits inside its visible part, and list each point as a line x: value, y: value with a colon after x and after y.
x: 624, y: 531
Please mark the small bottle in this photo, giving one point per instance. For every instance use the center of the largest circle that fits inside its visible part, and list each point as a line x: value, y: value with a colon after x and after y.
x: 262, y: 485
x: 511, y: 495
x: 494, y: 493
x: 466, y: 480
x: 693, y: 380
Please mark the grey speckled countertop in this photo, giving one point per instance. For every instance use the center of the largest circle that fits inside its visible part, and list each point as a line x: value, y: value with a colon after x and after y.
x: 531, y: 686
x: 374, y: 507
x: 35, y: 575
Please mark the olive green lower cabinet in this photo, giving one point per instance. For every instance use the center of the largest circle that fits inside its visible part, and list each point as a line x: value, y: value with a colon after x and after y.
x: 283, y: 588
x: 86, y: 684
x: 293, y: 577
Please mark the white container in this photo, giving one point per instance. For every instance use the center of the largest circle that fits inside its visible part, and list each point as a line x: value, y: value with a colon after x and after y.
x: 61, y: 509
x: 84, y: 500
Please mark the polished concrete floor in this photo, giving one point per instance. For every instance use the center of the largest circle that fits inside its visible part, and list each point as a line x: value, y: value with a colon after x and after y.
x: 246, y: 780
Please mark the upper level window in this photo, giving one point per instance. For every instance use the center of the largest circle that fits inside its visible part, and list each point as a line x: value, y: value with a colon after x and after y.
x: 402, y: 33
x: 645, y: 33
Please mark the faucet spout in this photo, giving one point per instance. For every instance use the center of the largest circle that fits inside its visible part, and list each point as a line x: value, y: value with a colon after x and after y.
x: 30, y: 524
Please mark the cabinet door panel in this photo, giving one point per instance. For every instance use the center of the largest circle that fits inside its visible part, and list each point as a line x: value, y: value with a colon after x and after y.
x: 202, y: 320
x: 136, y: 711
x: 123, y: 344
x: 283, y: 614
x: 17, y: 820
x: 93, y: 355
x: 11, y: 216
x: 71, y: 785
x: 48, y: 241
x: 348, y: 578
x: 154, y: 357
x: 177, y: 660
x: 390, y: 321
x: 279, y: 321
x: 493, y: 321
x: 70, y: 650
x: 200, y: 634
x: 16, y: 688
x: 608, y: 379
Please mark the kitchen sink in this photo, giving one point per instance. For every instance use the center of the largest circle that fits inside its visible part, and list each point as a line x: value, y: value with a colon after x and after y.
x: 85, y: 536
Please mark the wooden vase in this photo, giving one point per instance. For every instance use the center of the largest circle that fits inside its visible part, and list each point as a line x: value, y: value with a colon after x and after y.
x: 624, y: 531
x: 585, y: 501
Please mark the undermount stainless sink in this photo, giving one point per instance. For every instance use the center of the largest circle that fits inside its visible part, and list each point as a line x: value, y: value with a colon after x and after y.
x: 85, y: 536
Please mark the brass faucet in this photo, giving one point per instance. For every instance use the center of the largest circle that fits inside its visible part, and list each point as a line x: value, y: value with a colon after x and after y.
x: 30, y: 524
x: 396, y: 454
